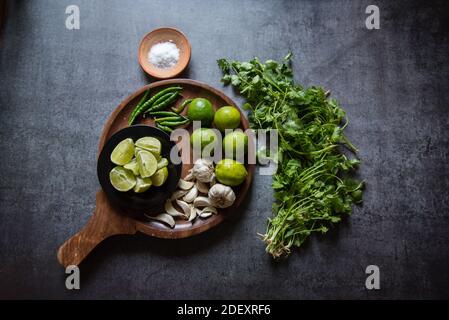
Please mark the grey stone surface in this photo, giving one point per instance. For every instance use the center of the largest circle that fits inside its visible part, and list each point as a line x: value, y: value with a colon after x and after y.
x: 59, y: 86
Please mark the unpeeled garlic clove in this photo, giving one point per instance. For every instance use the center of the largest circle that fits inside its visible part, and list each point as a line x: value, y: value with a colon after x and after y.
x: 172, y: 211
x: 202, y: 187
x: 206, y: 214
x: 163, y: 217
x: 178, y: 194
x: 185, y: 185
x: 191, y: 195
x: 209, y: 209
x: 185, y: 207
x: 202, y: 202
x: 192, y: 213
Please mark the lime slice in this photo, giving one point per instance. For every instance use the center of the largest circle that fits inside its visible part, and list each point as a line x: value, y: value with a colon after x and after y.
x: 122, y: 179
x: 142, y: 185
x: 162, y: 163
x: 123, y: 152
x: 147, y: 163
x: 133, y: 166
x: 150, y: 144
x: 160, y: 177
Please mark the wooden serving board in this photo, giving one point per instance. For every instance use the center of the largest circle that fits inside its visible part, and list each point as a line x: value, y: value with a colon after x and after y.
x: 108, y: 220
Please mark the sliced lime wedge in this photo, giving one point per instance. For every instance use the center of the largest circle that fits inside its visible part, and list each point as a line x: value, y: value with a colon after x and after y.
x: 123, y: 152
x: 133, y: 166
x: 156, y: 155
x: 150, y: 144
x: 147, y: 163
x: 160, y: 177
x: 162, y: 163
x: 142, y: 184
x: 122, y: 179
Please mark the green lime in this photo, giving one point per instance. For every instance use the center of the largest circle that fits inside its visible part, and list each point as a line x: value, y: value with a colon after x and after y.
x: 150, y: 144
x: 123, y: 152
x: 122, y: 179
x: 235, y: 143
x: 230, y: 172
x: 201, y: 109
x: 147, y: 163
x: 133, y: 166
x: 160, y: 177
x: 227, y: 117
x: 162, y: 163
x: 142, y: 184
x: 202, y: 137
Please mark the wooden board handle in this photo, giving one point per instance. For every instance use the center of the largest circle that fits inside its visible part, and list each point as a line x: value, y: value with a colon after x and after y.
x: 105, y: 222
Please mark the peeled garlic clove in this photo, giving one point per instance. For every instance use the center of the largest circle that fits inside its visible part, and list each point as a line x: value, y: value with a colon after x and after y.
x: 191, y: 195
x: 184, y: 206
x: 202, y: 202
x: 171, y: 210
x: 202, y: 187
x: 185, y: 185
x: 178, y: 194
x: 163, y: 217
x: 189, y: 176
x: 192, y: 213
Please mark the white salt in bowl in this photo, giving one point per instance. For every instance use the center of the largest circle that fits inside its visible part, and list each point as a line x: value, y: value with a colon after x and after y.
x: 162, y: 35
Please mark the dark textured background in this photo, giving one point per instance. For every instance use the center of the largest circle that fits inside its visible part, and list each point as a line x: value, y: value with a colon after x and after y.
x: 59, y: 86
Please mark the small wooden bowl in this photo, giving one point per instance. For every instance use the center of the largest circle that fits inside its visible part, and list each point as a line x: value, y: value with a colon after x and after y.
x: 163, y: 35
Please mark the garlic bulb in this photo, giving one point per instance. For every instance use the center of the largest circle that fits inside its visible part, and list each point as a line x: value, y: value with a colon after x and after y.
x: 221, y: 196
x: 203, y: 170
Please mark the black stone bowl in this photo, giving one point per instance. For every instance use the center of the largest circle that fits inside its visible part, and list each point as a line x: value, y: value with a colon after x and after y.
x: 154, y: 198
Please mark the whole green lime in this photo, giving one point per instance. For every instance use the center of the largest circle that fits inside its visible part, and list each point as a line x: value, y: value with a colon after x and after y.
x: 230, y: 172
x: 227, y: 117
x: 201, y: 109
x: 234, y: 143
x: 202, y: 137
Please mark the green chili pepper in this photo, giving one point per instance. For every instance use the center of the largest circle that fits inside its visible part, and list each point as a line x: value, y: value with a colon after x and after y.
x: 145, y: 96
x: 177, y: 118
x: 163, y: 98
x: 144, y: 106
x: 182, y: 106
x: 165, y: 103
x: 133, y: 114
x: 173, y: 123
x: 163, y: 92
x: 164, y: 128
x: 163, y: 114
